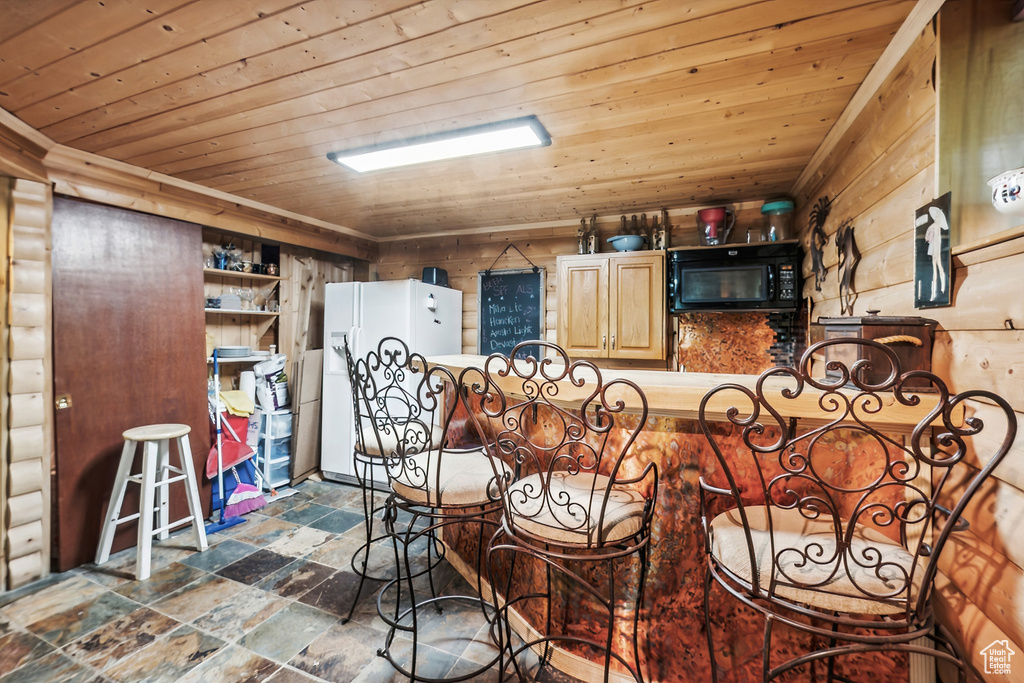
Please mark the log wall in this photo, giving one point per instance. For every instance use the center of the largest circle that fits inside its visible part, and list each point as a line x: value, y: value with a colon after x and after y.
x: 28, y: 429
x: 878, y: 175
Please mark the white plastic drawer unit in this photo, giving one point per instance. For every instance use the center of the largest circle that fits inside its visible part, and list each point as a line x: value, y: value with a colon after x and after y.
x: 274, y: 452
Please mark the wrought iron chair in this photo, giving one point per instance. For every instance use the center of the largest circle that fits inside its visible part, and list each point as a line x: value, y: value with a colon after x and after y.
x: 571, y: 503
x: 847, y: 554
x: 385, y: 408
x: 435, y: 486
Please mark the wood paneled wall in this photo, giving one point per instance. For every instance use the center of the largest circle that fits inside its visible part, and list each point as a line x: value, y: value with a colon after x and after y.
x: 980, y: 136
x: 882, y: 171
x: 305, y: 273
x: 463, y: 256
x: 29, y: 377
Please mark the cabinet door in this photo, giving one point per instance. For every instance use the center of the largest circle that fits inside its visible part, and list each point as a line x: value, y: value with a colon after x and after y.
x: 637, y: 306
x: 583, y: 307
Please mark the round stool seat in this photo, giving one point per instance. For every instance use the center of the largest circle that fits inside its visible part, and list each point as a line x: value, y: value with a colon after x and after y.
x: 156, y: 432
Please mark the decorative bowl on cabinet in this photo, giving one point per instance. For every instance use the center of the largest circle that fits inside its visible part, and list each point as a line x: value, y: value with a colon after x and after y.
x: 627, y: 242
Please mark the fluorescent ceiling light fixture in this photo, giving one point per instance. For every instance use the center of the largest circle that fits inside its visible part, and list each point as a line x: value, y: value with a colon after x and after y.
x: 491, y: 137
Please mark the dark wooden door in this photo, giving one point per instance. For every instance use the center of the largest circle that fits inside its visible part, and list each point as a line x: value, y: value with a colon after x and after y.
x: 129, y: 347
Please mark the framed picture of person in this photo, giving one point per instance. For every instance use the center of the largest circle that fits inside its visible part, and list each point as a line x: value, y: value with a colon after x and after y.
x: 933, y: 276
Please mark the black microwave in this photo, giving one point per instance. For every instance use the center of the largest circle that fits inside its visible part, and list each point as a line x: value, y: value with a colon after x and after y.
x: 764, y: 276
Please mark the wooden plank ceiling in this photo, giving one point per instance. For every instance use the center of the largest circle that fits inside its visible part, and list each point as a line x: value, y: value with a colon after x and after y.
x: 650, y: 103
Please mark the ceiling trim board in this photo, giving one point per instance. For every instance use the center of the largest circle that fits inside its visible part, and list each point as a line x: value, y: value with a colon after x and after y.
x: 61, y: 158
x: 687, y: 211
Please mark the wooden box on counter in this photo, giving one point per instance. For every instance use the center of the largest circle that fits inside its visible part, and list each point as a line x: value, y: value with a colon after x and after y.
x: 909, y: 337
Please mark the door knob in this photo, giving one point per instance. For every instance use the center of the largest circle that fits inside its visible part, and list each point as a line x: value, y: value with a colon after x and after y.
x: 63, y: 401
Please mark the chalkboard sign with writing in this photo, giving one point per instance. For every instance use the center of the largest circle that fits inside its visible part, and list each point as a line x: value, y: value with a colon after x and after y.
x: 510, y: 305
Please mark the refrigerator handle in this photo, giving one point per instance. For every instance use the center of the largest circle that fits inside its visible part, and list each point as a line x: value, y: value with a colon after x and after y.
x: 353, y: 340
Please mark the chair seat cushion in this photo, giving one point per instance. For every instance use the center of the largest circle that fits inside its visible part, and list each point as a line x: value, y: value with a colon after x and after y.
x: 569, y: 511
x: 464, y: 477
x: 412, y: 435
x: 811, y: 573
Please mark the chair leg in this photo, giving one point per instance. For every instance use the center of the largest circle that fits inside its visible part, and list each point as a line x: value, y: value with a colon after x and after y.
x: 766, y: 650
x: 830, y: 671
x: 546, y: 655
x: 195, y: 507
x: 636, y: 612
x: 368, y: 526
x: 707, y: 625
x: 480, y: 572
x: 145, y: 540
x: 611, y: 619
x: 431, y: 539
x: 162, y: 494
x: 407, y: 566
x: 501, y: 626
x: 124, y: 468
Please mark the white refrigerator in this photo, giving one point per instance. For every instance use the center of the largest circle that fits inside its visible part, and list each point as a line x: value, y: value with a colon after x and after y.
x: 426, y: 317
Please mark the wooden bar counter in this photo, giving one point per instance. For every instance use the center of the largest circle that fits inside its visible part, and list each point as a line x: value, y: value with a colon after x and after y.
x: 672, y: 626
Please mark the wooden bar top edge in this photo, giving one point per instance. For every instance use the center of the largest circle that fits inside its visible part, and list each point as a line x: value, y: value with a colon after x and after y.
x: 678, y: 394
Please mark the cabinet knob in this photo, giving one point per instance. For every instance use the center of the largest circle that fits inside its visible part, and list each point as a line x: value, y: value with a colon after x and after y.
x: 613, y: 342
x: 604, y: 341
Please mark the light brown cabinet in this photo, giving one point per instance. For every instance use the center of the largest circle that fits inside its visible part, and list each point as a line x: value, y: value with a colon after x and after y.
x: 612, y: 305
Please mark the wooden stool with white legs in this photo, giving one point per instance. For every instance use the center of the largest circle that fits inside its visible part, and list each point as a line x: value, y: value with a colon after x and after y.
x: 154, y: 479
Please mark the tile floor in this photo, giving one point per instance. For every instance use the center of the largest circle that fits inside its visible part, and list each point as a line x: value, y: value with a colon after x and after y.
x: 264, y: 603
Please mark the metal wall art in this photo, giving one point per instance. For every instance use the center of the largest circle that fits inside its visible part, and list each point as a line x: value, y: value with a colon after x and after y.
x: 933, y: 277
x: 819, y: 239
x: 849, y: 257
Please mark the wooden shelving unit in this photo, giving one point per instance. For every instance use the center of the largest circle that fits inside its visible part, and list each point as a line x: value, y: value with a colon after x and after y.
x: 240, y: 275
x: 236, y: 325
x: 233, y: 311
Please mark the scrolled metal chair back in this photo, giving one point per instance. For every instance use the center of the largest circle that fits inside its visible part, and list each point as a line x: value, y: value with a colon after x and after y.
x: 395, y: 406
x: 554, y: 419
x: 857, y: 509
x: 403, y: 412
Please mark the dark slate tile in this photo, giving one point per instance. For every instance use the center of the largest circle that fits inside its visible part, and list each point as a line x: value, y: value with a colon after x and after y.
x: 276, y: 506
x: 220, y: 555
x: 295, y: 579
x: 121, y: 637
x: 17, y: 648
x: 481, y: 673
x: 168, y: 659
x: 305, y: 513
x: 64, y: 627
x: 52, y: 600
x: 452, y: 630
x: 335, y: 595
x: 338, y: 522
x: 430, y: 663
x: 315, y: 488
x: 233, y: 619
x: 232, y: 664
x: 255, y: 567
x: 198, y: 597
x: 264, y: 532
x: 340, y: 653
x: 160, y: 583
x: 288, y: 632
x: 342, y: 496
x: 53, y: 667
x: 287, y: 674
